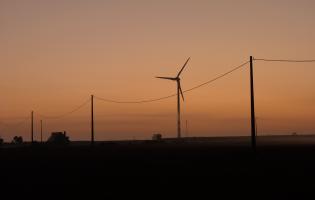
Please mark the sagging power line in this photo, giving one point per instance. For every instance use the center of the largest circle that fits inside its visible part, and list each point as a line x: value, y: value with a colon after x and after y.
x: 173, y: 95
x: 253, y: 121
x: 23, y: 120
x: 279, y: 60
x: 65, y: 114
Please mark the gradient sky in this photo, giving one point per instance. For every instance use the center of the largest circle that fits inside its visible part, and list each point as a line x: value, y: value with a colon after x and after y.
x: 55, y: 54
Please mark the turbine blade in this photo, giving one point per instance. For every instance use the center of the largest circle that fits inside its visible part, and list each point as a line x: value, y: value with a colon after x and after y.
x: 180, y: 90
x: 183, y: 67
x: 168, y: 78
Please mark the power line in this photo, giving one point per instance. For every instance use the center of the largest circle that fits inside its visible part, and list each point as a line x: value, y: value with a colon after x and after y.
x: 218, y: 77
x: 169, y: 96
x: 135, y: 102
x: 15, y: 124
x: 13, y: 118
x: 277, y: 60
x: 67, y: 113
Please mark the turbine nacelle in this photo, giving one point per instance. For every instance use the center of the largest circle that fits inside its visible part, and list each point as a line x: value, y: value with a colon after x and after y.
x: 177, y: 79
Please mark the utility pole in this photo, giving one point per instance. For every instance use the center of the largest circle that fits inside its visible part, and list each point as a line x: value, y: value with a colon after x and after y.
x: 41, y: 131
x: 32, y: 127
x: 92, y: 119
x: 252, y: 103
x: 256, y: 120
x: 186, y: 128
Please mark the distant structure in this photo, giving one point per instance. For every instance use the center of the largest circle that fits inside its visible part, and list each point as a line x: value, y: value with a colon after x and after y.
x: 179, y: 93
x: 1, y: 141
x: 17, y: 140
x: 187, y: 128
x: 157, y: 136
x: 58, y: 138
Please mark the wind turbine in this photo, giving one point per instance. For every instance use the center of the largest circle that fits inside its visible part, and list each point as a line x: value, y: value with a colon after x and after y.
x: 179, y: 93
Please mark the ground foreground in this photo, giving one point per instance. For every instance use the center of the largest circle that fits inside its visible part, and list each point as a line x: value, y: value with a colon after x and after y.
x: 282, y: 167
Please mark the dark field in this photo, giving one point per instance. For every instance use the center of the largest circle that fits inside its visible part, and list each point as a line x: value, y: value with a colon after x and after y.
x: 283, y: 167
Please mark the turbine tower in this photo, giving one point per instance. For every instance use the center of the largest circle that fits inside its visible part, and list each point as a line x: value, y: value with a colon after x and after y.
x: 179, y: 93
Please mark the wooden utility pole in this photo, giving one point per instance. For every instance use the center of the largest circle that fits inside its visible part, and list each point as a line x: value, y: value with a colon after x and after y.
x: 252, y: 103
x: 32, y: 127
x: 92, y: 119
x: 41, y: 131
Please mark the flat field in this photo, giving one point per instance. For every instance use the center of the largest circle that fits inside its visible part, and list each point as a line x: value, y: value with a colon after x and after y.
x: 282, y: 167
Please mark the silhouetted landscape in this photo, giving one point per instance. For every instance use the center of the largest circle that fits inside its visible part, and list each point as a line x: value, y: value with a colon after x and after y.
x: 282, y: 165
x: 176, y: 99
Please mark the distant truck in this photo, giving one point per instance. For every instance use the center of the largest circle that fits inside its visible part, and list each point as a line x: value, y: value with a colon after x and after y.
x: 157, y: 137
x: 58, y: 138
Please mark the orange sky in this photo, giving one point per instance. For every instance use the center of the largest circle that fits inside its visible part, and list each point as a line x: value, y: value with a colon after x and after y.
x: 55, y: 54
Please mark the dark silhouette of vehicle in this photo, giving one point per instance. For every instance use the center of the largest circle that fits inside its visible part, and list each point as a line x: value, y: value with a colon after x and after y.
x: 17, y: 140
x: 58, y: 138
x: 157, y: 137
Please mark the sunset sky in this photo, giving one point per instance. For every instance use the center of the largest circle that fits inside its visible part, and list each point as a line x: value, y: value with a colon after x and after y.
x: 55, y: 54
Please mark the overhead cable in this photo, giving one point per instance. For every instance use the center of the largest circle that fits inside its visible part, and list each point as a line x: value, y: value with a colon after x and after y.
x: 65, y: 114
x: 277, y: 60
x: 172, y: 95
